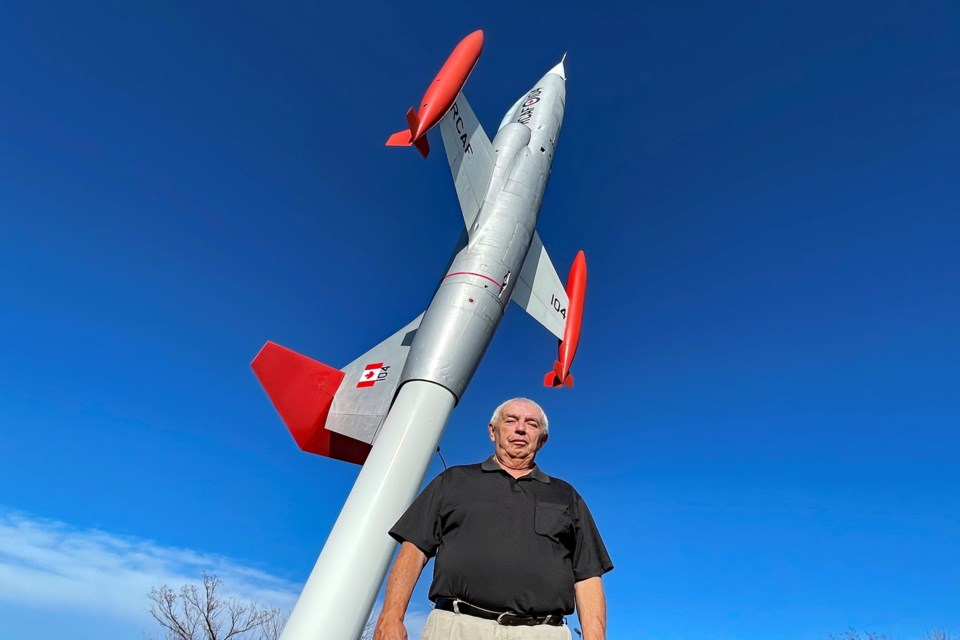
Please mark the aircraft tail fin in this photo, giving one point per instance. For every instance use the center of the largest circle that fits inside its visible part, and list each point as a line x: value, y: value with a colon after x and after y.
x: 302, y: 391
x: 330, y: 412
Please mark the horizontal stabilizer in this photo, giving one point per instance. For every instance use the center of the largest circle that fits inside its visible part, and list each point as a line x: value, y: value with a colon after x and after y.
x: 330, y: 412
x: 302, y: 391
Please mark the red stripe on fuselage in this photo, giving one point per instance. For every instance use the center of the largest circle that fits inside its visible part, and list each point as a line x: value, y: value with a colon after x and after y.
x: 471, y: 273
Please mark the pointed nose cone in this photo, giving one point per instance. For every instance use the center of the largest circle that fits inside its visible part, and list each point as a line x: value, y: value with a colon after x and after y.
x: 560, y: 70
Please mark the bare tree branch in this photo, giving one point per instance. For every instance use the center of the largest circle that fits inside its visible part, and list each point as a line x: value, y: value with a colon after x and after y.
x: 854, y: 634
x: 273, y: 627
x: 164, y: 611
x: 192, y: 614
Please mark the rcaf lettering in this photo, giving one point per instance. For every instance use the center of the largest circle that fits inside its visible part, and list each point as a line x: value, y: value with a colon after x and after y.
x: 457, y: 119
x: 526, y: 112
x: 461, y: 129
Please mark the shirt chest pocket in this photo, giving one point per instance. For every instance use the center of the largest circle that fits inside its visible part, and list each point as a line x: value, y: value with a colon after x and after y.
x: 554, y: 521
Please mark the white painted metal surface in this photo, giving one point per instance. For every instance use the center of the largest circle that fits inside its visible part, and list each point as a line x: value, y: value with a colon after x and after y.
x: 340, y: 592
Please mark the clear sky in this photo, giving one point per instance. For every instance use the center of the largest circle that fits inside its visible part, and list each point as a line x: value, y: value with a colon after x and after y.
x: 765, y: 419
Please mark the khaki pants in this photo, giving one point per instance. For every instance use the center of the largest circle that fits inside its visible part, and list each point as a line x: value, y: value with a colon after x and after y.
x: 446, y: 625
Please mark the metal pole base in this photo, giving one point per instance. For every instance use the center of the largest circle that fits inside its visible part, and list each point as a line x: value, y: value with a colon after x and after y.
x: 339, y: 595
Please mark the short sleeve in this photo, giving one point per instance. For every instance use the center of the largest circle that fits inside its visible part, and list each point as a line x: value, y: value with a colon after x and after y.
x: 420, y: 524
x: 590, y: 558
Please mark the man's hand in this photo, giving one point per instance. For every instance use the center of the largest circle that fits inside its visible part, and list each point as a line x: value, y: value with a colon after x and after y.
x: 403, y: 577
x: 390, y: 629
x: 591, y: 608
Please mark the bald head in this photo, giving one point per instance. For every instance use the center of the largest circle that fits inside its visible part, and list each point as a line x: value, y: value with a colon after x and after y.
x: 518, y: 429
x: 498, y: 412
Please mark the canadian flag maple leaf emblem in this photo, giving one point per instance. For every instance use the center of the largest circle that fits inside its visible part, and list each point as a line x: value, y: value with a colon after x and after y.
x: 371, y: 374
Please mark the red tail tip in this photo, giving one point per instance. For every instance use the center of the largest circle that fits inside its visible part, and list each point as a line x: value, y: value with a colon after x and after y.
x: 556, y: 378
x: 302, y: 391
x: 412, y: 136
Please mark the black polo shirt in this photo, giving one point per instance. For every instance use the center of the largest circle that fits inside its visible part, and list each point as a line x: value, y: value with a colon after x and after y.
x: 504, y: 544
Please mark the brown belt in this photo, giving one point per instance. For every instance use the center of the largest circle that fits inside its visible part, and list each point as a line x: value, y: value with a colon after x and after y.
x: 506, y: 618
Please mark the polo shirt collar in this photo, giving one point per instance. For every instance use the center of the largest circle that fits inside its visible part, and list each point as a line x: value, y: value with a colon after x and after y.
x: 490, y: 464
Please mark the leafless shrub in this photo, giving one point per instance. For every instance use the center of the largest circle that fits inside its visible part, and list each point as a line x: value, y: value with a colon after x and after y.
x: 853, y: 634
x: 193, y: 613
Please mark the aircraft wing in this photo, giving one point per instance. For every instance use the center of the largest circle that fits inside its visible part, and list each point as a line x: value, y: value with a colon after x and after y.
x: 470, y: 155
x: 539, y: 290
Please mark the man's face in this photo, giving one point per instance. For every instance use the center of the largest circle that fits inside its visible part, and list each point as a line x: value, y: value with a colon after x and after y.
x: 518, y: 434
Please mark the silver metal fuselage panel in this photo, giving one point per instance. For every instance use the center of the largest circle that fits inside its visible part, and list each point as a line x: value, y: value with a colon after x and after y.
x: 469, y: 303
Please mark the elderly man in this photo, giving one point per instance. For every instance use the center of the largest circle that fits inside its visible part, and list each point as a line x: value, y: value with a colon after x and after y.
x: 514, y: 547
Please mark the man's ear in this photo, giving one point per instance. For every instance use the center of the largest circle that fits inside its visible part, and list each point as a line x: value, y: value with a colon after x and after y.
x: 490, y: 430
x: 543, y: 440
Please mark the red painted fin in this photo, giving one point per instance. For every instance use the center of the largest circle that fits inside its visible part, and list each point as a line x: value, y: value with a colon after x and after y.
x: 406, y: 138
x: 413, y: 121
x: 556, y: 378
x: 553, y: 379
x: 302, y: 391
x: 400, y: 139
x: 422, y: 146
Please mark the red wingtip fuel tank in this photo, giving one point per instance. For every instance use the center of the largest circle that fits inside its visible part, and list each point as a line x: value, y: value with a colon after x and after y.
x: 440, y: 94
x: 576, y: 290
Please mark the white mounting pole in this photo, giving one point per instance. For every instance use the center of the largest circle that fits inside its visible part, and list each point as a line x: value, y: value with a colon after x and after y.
x: 339, y: 595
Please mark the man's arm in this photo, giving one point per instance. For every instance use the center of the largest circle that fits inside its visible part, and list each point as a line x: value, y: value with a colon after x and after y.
x: 403, y: 577
x: 591, y: 608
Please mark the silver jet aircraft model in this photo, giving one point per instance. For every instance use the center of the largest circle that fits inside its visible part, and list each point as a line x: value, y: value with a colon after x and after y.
x: 387, y: 409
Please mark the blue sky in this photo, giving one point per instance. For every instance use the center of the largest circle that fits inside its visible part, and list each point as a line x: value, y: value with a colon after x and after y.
x: 766, y: 410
